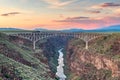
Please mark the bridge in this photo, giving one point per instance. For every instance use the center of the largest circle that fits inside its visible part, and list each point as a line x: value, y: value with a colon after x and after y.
x: 38, y: 35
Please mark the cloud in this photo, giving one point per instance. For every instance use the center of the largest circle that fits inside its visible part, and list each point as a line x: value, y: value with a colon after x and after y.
x: 93, y: 22
x: 83, y: 20
x: 58, y: 3
x: 77, y: 18
x: 94, y: 11
x: 109, y: 5
x: 106, y: 5
x: 10, y: 14
x: 72, y: 19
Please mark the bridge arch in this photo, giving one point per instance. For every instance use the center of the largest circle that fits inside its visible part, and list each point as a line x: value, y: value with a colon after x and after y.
x: 36, y: 36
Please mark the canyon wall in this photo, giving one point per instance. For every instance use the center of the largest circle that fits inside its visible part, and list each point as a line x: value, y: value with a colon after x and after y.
x: 90, y: 64
x: 19, y: 62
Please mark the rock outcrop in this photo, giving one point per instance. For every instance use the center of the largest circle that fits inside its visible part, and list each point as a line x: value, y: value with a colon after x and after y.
x: 99, y: 61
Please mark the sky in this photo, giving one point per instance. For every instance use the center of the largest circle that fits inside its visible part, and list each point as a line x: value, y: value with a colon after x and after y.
x: 59, y: 14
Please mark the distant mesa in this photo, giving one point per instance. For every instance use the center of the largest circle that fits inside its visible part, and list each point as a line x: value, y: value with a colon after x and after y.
x: 73, y: 30
x: 114, y: 28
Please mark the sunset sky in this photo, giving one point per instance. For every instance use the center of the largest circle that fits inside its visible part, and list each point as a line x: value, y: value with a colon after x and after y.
x: 59, y: 14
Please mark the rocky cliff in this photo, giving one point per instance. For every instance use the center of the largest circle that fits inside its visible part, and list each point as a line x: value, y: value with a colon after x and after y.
x: 99, y: 62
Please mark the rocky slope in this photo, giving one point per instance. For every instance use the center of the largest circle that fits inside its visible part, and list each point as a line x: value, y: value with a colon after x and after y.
x: 19, y: 62
x: 99, y: 62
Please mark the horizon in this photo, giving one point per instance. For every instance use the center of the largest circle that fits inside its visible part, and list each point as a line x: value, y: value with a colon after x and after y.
x: 113, y: 27
x: 59, y: 14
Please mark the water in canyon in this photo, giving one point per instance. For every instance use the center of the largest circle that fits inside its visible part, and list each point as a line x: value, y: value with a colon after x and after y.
x: 60, y: 69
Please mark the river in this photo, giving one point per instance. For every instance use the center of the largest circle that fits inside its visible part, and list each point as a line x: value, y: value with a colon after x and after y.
x: 60, y: 69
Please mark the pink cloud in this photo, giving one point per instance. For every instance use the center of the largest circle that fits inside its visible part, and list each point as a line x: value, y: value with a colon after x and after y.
x: 89, y: 23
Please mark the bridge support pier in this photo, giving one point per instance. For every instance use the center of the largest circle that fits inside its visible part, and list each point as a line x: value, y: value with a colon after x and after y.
x: 86, y: 44
x: 34, y: 45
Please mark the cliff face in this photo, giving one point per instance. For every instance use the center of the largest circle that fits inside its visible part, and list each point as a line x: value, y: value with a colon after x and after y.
x: 91, y: 64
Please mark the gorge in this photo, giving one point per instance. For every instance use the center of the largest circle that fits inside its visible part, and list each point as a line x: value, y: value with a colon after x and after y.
x: 99, y: 62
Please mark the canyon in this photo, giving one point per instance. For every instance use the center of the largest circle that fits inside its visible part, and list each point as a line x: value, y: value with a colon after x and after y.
x: 99, y: 62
